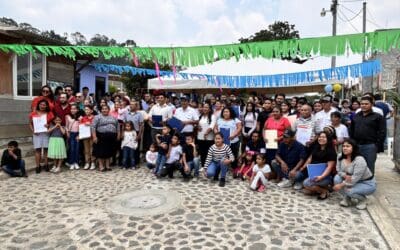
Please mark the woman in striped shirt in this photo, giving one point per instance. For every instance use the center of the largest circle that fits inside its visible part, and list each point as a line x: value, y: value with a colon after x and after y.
x: 218, y: 159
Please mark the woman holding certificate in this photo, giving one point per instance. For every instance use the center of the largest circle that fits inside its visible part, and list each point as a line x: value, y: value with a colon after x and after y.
x: 104, y: 133
x: 39, y: 121
x: 231, y: 128
x: 274, y: 127
x: 323, y: 159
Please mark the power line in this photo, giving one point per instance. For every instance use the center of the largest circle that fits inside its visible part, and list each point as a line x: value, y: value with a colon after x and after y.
x: 351, y: 19
x: 352, y: 11
x: 347, y: 20
x: 373, y: 19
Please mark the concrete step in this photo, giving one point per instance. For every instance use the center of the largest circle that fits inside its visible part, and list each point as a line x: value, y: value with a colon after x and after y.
x: 19, y: 133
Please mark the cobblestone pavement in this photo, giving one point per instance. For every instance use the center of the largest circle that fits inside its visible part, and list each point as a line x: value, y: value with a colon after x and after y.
x: 70, y: 211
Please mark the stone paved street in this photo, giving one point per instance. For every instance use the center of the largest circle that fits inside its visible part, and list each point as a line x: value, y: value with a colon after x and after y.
x: 71, y: 211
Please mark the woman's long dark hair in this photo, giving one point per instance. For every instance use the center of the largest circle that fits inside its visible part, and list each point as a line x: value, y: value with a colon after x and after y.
x: 47, y: 105
x: 209, y: 116
x: 355, y: 151
x: 77, y: 115
x: 253, y: 110
x: 51, y: 94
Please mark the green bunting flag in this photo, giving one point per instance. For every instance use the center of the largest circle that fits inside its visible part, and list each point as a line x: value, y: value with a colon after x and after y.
x: 381, y: 41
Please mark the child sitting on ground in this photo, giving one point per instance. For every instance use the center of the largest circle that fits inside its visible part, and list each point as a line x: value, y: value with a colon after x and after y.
x: 261, y: 172
x: 163, y: 142
x: 151, y: 156
x: 190, y: 158
x: 246, y: 170
x: 12, y: 160
x: 173, y: 158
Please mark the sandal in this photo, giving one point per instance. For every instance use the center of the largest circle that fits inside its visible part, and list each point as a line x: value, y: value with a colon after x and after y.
x: 323, y: 196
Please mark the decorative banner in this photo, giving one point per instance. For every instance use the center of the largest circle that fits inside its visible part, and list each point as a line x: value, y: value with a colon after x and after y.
x: 368, y: 68
x: 382, y: 41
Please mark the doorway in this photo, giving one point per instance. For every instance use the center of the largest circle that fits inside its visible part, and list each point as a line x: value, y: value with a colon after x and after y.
x: 100, y: 87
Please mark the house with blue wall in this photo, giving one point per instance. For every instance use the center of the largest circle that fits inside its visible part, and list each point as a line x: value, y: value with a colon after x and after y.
x: 97, y: 82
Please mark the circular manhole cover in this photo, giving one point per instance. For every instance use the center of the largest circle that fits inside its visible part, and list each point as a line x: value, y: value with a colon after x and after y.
x: 144, y: 202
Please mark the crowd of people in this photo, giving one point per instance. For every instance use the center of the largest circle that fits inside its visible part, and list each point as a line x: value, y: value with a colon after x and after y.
x: 211, y: 136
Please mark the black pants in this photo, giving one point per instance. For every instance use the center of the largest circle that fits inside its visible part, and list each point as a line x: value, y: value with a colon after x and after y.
x: 169, y: 168
x: 235, y: 150
x: 204, y: 145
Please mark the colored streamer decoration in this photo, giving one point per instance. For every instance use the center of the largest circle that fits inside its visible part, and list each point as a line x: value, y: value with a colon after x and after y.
x: 382, y: 41
x: 365, y: 69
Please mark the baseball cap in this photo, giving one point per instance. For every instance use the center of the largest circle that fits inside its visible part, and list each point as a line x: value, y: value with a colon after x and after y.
x: 288, y: 133
x: 326, y: 98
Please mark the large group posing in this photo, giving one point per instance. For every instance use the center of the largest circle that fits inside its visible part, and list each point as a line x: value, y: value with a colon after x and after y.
x: 121, y: 131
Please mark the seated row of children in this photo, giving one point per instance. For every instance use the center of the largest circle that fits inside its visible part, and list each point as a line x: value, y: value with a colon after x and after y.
x: 167, y: 155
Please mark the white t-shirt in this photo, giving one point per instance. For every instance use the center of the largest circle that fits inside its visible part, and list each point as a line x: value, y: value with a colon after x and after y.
x: 175, y: 154
x: 265, y: 170
x: 323, y: 119
x: 165, y: 111
x: 151, y: 157
x: 231, y: 125
x: 129, y: 140
x: 204, y: 125
x: 188, y: 114
x: 342, y: 132
x: 250, y: 120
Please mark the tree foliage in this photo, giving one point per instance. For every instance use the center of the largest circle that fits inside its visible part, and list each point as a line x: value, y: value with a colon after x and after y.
x: 78, y: 38
x: 8, y: 21
x: 29, y: 28
x: 134, y: 84
x: 276, y: 31
x: 53, y: 35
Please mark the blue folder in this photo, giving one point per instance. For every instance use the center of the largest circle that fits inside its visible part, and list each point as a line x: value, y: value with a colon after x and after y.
x: 315, y: 170
x: 157, y: 120
x: 175, y: 123
x: 226, y: 133
x: 236, y: 109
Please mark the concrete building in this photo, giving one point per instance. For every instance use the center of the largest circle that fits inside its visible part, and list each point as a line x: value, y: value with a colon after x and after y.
x: 21, y: 79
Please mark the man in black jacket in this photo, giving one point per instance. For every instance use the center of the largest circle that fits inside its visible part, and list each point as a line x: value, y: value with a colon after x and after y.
x: 12, y: 161
x: 368, y: 129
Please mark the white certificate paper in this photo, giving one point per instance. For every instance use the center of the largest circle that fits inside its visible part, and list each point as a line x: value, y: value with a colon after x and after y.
x: 84, y: 131
x: 39, y: 123
x: 271, y: 135
x: 303, y: 135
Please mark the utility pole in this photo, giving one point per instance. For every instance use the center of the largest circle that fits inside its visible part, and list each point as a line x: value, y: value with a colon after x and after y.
x: 334, y: 22
x: 364, y: 25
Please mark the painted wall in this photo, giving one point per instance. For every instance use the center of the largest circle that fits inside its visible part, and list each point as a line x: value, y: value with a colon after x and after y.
x: 88, y: 79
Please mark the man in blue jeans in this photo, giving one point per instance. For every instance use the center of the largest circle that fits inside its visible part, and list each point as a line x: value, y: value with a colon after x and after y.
x: 368, y: 129
x: 11, y: 161
x: 289, y: 159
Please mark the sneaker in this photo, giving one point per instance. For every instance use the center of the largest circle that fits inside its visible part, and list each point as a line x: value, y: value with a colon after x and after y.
x: 67, y: 164
x: 92, y: 166
x: 76, y: 166
x: 71, y: 166
x: 38, y: 169
x: 87, y: 166
x: 261, y: 188
x: 362, y: 205
x: 298, y: 186
x: 57, y: 170
x: 52, y: 169
x: 345, y: 202
x: 285, y: 183
x: 221, y: 182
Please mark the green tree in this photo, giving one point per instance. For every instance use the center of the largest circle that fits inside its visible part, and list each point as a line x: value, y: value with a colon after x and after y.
x: 53, y: 35
x: 29, y: 28
x: 276, y: 31
x: 8, y: 21
x: 78, y: 38
x: 134, y: 84
x: 128, y: 42
x: 102, y: 40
